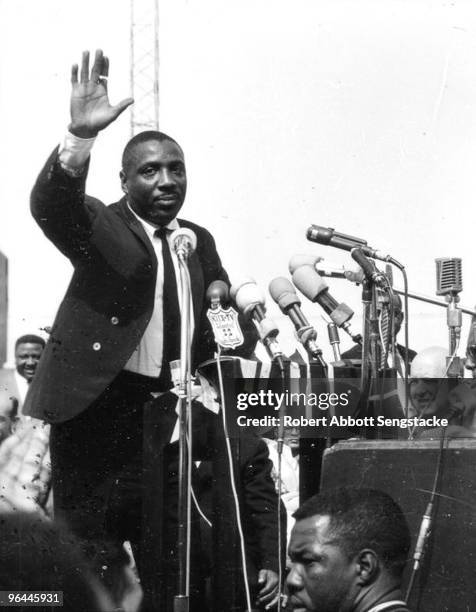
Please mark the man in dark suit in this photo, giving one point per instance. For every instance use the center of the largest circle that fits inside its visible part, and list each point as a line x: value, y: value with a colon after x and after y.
x: 117, y: 328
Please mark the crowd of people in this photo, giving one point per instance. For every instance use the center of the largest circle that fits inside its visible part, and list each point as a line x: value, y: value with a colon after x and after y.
x: 73, y: 414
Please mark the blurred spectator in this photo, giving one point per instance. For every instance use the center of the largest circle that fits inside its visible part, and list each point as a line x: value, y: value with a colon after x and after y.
x: 429, y: 385
x: 39, y: 555
x: 14, y: 383
x: 289, y: 471
x: 433, y: 394
x: 25, y: 471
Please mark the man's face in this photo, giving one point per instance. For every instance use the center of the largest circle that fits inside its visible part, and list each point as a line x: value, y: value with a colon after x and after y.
x: 155, y: 181
x: 322, y: 578
x: 291, y: 438
x: 27, y: 356
x: 423, y: 392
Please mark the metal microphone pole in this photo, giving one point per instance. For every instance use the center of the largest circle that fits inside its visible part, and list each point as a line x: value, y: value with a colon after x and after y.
x: 449, y: 282
x: 366, y: 316
x: 182, y: 599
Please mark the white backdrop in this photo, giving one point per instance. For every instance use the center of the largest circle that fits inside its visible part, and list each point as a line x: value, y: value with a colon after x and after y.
x: 357, y: 115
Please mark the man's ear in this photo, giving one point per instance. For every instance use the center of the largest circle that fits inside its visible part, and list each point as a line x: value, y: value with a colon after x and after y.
x: 368, y: 566
x: 123, y: 177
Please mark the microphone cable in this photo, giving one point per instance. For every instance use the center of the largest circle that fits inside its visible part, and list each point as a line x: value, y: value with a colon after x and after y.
x: 428, y: 516
x: 280, y: 443
x: 232, y: 480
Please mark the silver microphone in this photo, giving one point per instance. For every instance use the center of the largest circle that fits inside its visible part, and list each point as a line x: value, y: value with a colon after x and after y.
x: 449, y: 275
x: 184, y: 241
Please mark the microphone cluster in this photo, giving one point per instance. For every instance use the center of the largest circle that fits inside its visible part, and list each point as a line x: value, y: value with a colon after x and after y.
x: 307, y: 275
x: 380, y: 301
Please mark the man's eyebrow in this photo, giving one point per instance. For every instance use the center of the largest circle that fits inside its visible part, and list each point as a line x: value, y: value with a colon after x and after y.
x: 156, y: 163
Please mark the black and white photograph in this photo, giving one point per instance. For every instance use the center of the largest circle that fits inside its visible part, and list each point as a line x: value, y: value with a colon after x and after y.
x: 237, y: 305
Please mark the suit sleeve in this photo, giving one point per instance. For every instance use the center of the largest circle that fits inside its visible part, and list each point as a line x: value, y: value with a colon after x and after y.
x: 62, y: 209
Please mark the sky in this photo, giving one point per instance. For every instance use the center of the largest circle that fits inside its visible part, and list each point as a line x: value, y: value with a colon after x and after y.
x: 355, y: 115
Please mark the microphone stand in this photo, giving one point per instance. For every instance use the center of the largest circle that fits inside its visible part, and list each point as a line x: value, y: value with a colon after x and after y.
x: 184, y: 404
x: 311, y: 450
x: 454, y: 320
x: 371, y: 349
x: 454, y: 364
x: 367, y: 295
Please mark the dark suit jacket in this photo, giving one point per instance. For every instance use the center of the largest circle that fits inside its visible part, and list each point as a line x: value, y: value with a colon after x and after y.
x: 110, y: 298
x: 255, y: 487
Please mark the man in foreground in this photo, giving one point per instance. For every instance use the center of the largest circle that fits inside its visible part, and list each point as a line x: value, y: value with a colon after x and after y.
x: 348, y: 550
x: 118, y: 327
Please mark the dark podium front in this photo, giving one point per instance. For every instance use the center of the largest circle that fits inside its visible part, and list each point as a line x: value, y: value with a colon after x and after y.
x: 446, y: 581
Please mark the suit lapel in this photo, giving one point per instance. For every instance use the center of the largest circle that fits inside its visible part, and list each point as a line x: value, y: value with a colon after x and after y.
x: 135, y: 226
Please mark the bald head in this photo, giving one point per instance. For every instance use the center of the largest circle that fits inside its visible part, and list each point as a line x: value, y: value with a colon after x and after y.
x: 129, y: 155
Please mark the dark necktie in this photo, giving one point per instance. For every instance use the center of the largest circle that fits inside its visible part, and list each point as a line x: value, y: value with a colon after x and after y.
x: 170, y: 307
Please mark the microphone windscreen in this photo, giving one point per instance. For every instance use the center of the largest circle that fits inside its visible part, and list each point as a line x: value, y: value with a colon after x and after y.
x: 303, y: 259
x: 218, y: 290
x: 236, y: 286
x: 283, y: 293
x: 247, y: 294
x: 309, y: 282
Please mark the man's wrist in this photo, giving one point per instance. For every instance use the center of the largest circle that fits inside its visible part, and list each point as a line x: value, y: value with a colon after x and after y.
x: 81, y: 131
x: 74, y: 152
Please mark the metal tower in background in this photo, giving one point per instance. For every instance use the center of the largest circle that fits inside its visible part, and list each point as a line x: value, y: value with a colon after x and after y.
x: 144, y: 62
x: 3, y: 307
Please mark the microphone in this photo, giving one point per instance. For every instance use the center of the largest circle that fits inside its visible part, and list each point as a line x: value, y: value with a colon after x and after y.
x: 217, y: 294
x: 250, y: 301
x: 184, y: 242
x: 449, y: 282
x: 355, y: 275
x: 328, y: 236
x: 449, y: 275
x: 224, y: 321
x: 303, y: 259
x: 315, y: 288
x: 285, y: 296
x: 369, y: 269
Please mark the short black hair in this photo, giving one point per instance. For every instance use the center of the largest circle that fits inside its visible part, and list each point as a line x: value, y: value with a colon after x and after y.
x: 141, y: 137
x: 42, y: 555
x: 30, y: 339
x: 363, y: 518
